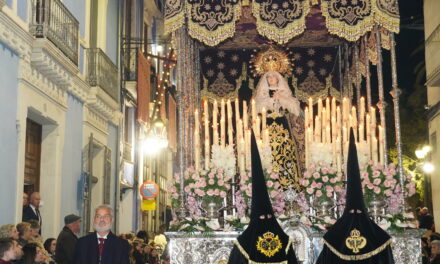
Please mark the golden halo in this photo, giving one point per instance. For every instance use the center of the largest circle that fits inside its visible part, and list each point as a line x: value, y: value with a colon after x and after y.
x: 272, y: 60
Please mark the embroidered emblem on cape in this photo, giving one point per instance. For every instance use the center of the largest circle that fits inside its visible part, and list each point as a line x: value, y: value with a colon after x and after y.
x: 355, y: 241
x: 269, y: 244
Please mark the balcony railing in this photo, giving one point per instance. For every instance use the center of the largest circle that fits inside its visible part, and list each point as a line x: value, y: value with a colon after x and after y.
x: 52, y: 20
x: 130, y: 59
x: 102, y: 72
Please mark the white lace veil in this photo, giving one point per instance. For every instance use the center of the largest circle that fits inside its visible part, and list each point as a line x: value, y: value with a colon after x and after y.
x: 285, y: 100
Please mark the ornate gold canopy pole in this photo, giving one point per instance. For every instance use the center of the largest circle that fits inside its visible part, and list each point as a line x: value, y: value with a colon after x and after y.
x: 381, y: 103
x: 188, y: 72
x: 396, y: 93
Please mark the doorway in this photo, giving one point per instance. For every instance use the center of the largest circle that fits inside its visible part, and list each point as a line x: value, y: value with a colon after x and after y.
x: 32, y: 157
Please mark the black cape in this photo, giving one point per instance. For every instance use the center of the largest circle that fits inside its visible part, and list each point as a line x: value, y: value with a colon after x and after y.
x: 263, y: 241
x: 355, y: 238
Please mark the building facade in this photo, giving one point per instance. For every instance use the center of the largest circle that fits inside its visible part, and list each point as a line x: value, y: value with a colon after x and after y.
x: 432, y: 60
x: 60, y: 110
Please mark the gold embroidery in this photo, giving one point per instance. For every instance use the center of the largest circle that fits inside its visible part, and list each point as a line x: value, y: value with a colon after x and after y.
x: 246, y: 255
x: 174, y: 15
x: 358, y: 257
x: 386, y: 14
x: 269, y: 244
x: 284, y: 156
x: 281, y: 25
x: 213, y: 26
x: 355, y: 241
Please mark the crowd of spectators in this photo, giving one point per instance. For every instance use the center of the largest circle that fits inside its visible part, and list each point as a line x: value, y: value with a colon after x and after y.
x: 23, y: 244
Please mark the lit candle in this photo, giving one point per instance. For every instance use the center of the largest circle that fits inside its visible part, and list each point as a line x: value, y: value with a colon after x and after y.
x: 338, y: 121
x: 327, y: 110
x: 257, y: 128
x: 223, y: 124
x: 307, y: 144
x: 333, y: 108
x: 237, y: 109
x: 324, y: 122
x: 334, y: 132
x: 266, y: 139
x: 344, y: 135
x: 368, y: 134
x: 310, y: 117
x: 230, y: 127
x: 207, y: 145
x: 254, y: 111
x: 214, y: 123
x: 338, y: 154
x: 374, y: 150
x: 196, y: 149
x: 362, y: 110
x: 264, y: 118
x: 207, y: 155
x: 245, y: 116
x: 381, y: 146
x: 306, y: 120
x: 327, y: 134
x: 354, y: 121
x: 248, y: 148
x: 241, y: 157
x: 319, y: 108
x: 361, y: 132
x: 317, y: 130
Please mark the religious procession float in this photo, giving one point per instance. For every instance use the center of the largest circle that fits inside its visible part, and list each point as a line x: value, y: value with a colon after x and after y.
x: 299, y: 74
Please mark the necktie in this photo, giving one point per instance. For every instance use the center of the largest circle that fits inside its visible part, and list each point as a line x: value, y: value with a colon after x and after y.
x: 101, y: 246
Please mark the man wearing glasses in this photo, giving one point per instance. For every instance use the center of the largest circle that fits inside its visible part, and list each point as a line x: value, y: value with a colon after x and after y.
x: 102, y: 246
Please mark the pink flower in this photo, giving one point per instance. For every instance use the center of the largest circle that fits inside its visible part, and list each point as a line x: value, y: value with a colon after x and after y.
x: 222, y: 194
x: 376, y: 174
x: 316, y: 175
x: 333, y: 180
x: 325, y: 179
x: 202, y: 184
x: 376, y: 190
x: 324, y: 170
x: 313, y: 184
x: 216, y: 191
x: 175, y: 196
x: 305, y: 182
x: 187, y: 189
x: 186, y: 176
x: 274, y: 176
x: 210, y: 192
x: 277, y: 185
x: 388, y: 193
x: 173, y: 189
x: 220, y: 182
x: 319, y: 185
x: 364, y: 174
x: 318, y: 193
x: 376, y: 181
x: 370, y: 186
x: 269, y: 184
x: 386, y: 183
x: 338, y: 188
x: 329, y: 194
x: 306, y: 175
x: 211, y: 181
x: 211, y: 175
x: 273, y: 193
x: 309, y: 190
x: 329, y: 188
x: 332, y: 170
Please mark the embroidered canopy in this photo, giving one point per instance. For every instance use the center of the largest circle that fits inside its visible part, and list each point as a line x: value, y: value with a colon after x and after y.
x: 214, y: 21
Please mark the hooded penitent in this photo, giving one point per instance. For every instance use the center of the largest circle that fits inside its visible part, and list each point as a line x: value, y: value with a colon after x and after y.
x: 355, y: 238
x: 264, y: 241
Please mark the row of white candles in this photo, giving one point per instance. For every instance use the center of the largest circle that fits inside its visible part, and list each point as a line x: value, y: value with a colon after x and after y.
x: 332, y: 123
x: 242, y: 137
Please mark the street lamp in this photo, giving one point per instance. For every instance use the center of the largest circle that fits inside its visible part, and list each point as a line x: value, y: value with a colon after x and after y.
x: 156, y: 137
x: 427, y: 168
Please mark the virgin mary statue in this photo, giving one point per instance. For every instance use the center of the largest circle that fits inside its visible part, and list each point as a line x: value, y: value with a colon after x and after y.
x: 274, y: 95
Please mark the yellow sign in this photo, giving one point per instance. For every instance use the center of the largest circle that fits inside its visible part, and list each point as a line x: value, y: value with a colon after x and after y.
x: 148, y: 205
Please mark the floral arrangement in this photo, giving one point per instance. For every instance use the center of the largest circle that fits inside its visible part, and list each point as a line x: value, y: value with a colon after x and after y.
x: 244, y: 195
x: 383, y: 181
x: 322, y: 182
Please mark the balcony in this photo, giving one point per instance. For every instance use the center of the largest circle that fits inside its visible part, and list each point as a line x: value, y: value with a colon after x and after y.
x: 52, y: 20
x: 433, y: 58
x: 102, y: 72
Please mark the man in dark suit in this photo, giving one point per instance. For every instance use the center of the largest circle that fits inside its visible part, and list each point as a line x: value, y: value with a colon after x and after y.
x: 67, y: 239
x: 32, y: 211
x: 102, y: 246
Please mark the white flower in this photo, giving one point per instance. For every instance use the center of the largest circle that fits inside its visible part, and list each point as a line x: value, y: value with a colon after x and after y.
x: 401, y: 224
x: 183, y: 227
x: 213, y: 224
x: 244, y: 220
x: 384, y: 224
x: 224, y: 158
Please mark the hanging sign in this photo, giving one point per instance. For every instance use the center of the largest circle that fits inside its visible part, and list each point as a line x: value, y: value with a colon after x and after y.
x: 148, y: 205
x: 149, y: 190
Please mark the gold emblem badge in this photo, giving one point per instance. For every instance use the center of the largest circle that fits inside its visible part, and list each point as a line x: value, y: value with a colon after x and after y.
x: 269, y: 244
x: 355, y: 241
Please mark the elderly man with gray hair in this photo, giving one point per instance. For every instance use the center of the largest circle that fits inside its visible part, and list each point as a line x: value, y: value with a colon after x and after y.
x: 102, y: 246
